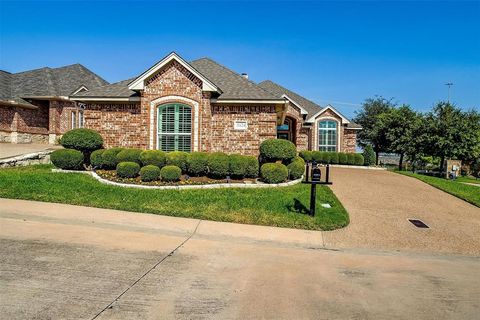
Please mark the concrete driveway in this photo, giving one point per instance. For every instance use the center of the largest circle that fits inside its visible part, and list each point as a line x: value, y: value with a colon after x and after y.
x: 68, y: 262
x: 8, y: 150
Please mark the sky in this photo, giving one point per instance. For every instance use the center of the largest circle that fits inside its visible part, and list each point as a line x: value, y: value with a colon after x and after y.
x: 337, y: 53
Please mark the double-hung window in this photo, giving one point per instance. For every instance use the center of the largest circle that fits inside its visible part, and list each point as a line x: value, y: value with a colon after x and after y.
x: 174, y: 127
x: 327, y: 135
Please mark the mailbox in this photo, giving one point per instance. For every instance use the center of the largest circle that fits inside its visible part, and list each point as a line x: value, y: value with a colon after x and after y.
x: 316, y: 174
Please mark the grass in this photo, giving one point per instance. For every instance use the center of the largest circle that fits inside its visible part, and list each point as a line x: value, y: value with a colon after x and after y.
x: 463, y: 191
x: 468, y: 180
x: 281, y: 207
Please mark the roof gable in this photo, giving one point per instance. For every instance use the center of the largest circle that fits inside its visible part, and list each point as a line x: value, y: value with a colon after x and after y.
x: 332, y: 109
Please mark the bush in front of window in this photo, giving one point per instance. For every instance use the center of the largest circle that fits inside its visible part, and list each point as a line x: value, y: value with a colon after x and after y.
x: 306, y: 155
x: 296, y: 168
x: 153, y: 157
x: 351, y: 158
x: 274, y: 172
x: 149, y: 173
x: 332, y: 157
x: 109, y: 158
x: 237, y: 165
x: 170, y: 173
x: 318, y: 156
x: 96, y: 159
x: 197, y: 163
x: 272, y: 150
x: 178, y: 158
x: 67, y: 159
x: 218, y: 165
x: 129, y: 155
x: 252, y: 166
x: 342, y: 158
x: 128, y: 169
x: 359, y: 159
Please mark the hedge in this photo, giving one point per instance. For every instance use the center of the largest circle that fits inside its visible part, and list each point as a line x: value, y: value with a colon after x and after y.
x: 67, y: 159
x: 109, y: 158
x: 252, y: 166
x: 197, y: 163
x: 296, y: 168
x: 129, y: 155
x: 237, y: 165
x: 96, y: 159
x: 84, y: 140
x: 359, y: 159
x: 170, y: 173
x: 272, y: 150
x: 153, y: 157
x: 128, y: 169
x: 218, y: 165
x: 351, y: 158
x: 333, y: 157
x: 342, y: 158
x: 306, y: 155
x: 177, y: 158
x: 149, y: 173
x: 274, y: 172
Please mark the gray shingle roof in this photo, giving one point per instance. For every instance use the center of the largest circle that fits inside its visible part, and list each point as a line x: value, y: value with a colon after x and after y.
x: 114, y: 90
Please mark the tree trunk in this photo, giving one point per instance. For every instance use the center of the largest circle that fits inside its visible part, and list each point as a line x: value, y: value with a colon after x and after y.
x: 442, y: 160
x: 400, y: 163
x: 376, y: 156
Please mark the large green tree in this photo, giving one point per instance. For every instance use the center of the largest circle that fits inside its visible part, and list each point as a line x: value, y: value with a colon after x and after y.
x: 373, y: 133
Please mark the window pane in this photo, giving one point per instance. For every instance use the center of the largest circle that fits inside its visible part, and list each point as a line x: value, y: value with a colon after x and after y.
x: 327, y: 135
x: 174, y: 127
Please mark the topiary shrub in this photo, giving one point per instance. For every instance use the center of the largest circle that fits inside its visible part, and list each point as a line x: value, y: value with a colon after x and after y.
x: 218, y: 165
x: 342, y: 158
x: 109, y: 158
x: 358, y: 159
x: 351, y: 158
x: 237, y: 165
x: 84, y: 140
x: 129, y: 155
x: 149, y: 173
x: 277, y: 149
x: 170, y: 173
x: 251, y: 167
x: 296, y: 168
x: 197, y: 163
x: 96, y: 159
x: 67, y: 159
x: 274, y: 172
x: 306, y: 155
x: 368, y: 155
x: 128, y: 169
x: 153, y: 157
x: 178, y: 158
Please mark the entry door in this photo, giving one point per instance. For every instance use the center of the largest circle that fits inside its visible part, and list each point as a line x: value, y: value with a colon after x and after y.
x: 285, y: 131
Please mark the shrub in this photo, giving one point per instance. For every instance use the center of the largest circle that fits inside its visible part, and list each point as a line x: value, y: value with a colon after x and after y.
x: 67, y: 159
x: 277, y: 149
x: 109, y: 158
x: 237, y: 165
x: 178, y: 158
x: 218, y: 165
x: 358, y: 159
x: 342, y: 158
x: 128, y: 169
x: 129, y: 155
x: 251, y: 168
x: 149, y: 173
x: 332, y: 157
x: 274, y: 172
x: 153, y: 157
x: 296, y: 168
x: 306, y: 155
x: 96, y: 159
x: 317, y: 156
x: 197, y: 163
x: 369, y: 155
x: 84, y: 140
x: 170, y: 173
x: 351, y: 158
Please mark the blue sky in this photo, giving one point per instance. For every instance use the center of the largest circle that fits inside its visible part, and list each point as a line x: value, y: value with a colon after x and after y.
x: 330, y: 52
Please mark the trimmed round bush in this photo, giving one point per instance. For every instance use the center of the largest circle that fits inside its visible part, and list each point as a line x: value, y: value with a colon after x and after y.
x: 178, y: 158
x: 170, y: 173
x: 296, y: 169
x: 109, y: 158
x: 351, y: 158
x: 218, y: 165
x: 342, y: 158
x: 369, y: 155
x: 197, y: 163
x: 237, y: 165
x: 96, y: 159
x: 67, y: 159
x: 153, y: 157
x: 149, y: 173
x: 84, y: 140
x: 129, y: 155
x: 128, y: 169
x: 359, y: 159
x: 306, y: 155
x: 251, y: 167
x: 277, y: 149
x: 274, y: 172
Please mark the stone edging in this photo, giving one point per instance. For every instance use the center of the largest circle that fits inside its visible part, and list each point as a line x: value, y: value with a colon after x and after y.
x: 41, y: 157
x: 198, y: 186
x: 356, y: 167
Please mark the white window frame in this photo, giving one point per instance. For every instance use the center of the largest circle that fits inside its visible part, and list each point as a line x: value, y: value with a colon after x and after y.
x: 73, y: 120
x: 328, y: 130
x: 179, y: 134
x: 81, y: 119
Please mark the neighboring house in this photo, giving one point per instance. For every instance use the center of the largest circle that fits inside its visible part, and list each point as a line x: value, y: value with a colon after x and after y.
x: 204, y: 106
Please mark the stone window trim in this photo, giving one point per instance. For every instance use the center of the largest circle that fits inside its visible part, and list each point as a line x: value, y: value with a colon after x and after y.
x: 156, y: 103
x: 317, y: 131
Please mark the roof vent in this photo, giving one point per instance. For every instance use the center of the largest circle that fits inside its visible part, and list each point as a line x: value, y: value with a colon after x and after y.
x: 245, y: 75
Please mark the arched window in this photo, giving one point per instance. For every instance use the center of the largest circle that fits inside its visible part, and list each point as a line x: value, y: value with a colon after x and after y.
x: 174, y: 127
x: 327, y: 135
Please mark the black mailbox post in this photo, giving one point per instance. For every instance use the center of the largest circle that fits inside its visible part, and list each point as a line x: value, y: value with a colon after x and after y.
x: 316, y: 175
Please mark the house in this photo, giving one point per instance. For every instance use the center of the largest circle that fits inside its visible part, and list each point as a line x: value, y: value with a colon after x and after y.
x: 188, y: 106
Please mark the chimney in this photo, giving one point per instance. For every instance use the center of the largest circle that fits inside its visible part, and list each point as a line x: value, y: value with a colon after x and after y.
x: 245, y: 75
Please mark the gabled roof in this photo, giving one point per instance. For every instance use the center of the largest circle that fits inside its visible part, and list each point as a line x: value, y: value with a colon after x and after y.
x: 115, y: 90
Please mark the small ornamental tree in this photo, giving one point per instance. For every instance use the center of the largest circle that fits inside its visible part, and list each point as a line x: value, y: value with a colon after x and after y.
x: 272, y: 150
x: 83, y: 140
x: 368, y: 155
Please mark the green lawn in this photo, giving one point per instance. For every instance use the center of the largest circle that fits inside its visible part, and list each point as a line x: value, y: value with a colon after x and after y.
x: 282, y: 207
x: 468, y: 179
x: 463, y: 191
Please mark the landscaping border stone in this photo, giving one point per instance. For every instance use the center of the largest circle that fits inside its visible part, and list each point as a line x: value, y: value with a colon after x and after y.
x: 41, y: 157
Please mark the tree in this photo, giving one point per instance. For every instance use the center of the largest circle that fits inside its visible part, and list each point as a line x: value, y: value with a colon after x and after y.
x: 372, y: 132
x: 369, y: 155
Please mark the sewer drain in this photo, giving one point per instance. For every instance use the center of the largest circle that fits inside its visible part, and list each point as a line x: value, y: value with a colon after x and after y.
x: 418, y: 223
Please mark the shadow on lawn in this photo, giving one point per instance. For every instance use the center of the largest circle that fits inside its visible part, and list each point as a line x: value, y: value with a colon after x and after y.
x: 298, y: 207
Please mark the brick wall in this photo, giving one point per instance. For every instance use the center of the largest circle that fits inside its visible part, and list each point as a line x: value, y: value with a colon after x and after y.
x: 301, y: 134
x: 349, y: 140
x: 7, y: 116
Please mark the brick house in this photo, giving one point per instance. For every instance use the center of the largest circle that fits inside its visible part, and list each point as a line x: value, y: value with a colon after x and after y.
x: 203, y: 106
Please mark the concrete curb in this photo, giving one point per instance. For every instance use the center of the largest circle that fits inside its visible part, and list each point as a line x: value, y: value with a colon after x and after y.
x: 356, y: 167
x: 41, y: 157
x: 200, y: 186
